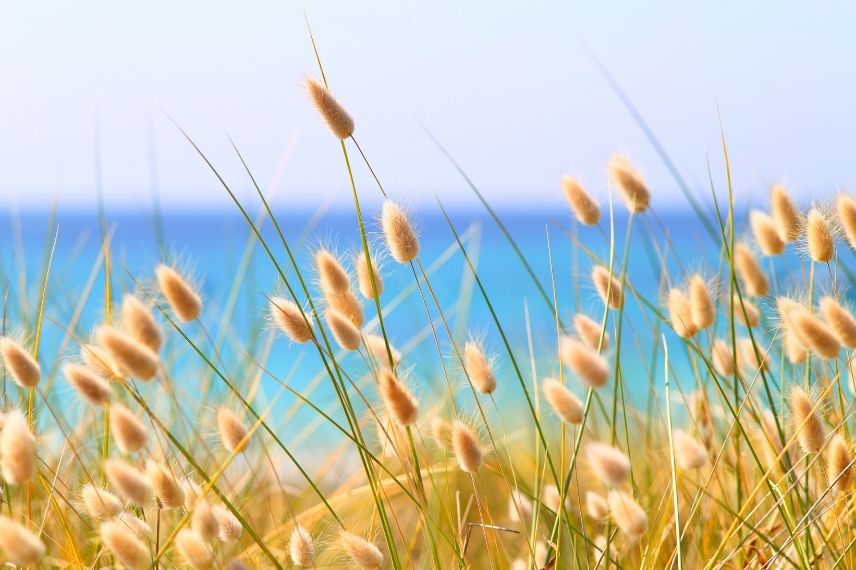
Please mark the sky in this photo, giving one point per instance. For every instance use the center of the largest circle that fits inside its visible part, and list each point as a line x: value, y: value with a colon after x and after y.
x: 507, y: 87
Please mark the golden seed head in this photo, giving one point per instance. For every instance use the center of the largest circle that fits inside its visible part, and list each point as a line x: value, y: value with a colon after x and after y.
x: 347, y: 304
x: 680, y: 314
x: 125, y: 546
x: 127, y: 429
x: 795, y: 350
x: 766, y: 233
x: 607, y: 287
x: 100, y: 503
x: 746, y: 312
x: 478, y: 367
x: 819, y: 238
x: 377, y: 348
x: 344, y: 331
x: 441, y: 431
x: 132, y: 484
x: 232, y: 431
x: 814, y: 333
x: 139, y: 323
x: 400, y: 403
x: 20, y: 364
x: 466, y: 446
x: 627, y: 513
x: 17, y: 449
x: 230, y: 527
x: 689, y: 453
x: 596, y: 506
x: 785, y: 214
x: 192, y: 492
x: 566, y: 405
x: 194, y: 549
x: 203, y: 520
x: 332, y: 276
x: 290, y: 319
x: 629, y: 182
x: 609, y: 464
x: 589, y: 331
x: 360, y: 551
x: 753, y: 356
x: 701, y: 303
x: 137, y: 526
x: 846, y: 208
x: 334, y: 114
x: 129, y: 355
x: 586, y: 363
x: 180, y: 294
x: 840, y: 320
x: 838, y: 463
x: 166, y: 488
x: 400, y: 236
x: 752, y: 278
x: 807, y: 423
x: 364, y: 277
x: 91, y: 387
x: 301, y: 548
x: 583, y: 205
x: 19, y: 544
x: 98, y: 360
x: 723, y: 360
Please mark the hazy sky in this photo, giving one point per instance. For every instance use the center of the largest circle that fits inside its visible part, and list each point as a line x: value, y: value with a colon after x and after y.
x: 505, y: 85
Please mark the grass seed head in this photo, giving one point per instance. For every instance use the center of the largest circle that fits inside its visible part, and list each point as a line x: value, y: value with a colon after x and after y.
x: 364, y: 276
x: 127, y: 429
x: 752, y: 278
x: 689, y: 453
x: 347, y: 304
x: 766, y: 233
x: 301, y: 548
x: 587, y: 364
x: 441, y: 431
x: 166, y: 487
x: 814, y: 333
x: 98, y: 360
x: 377, y: 348
x: 194, y: 549
x: 17, y: 449
x: 100, y: 503
x: 20, y: 364
x: 125, y: 546
x: 596, y: 506
x: 291, y: 319
x: 753, y: 356
x: 723, y: 360
x: 332, y: 276
x: 608, y: 287
x: 360, y: 551
x: 204, y: 521
x: 400, y: 403
x: 139, y: 323
x: 846, y: 208
x: 585, y: 208
x: 91, y: 387
x: 701, y: 303
x: 629, y: 182
x: 680, y: 314
x: 807, y: 422
x: 19, y: 544
x: 589, y: 331
x: 609, y: 464
x: 785, y: 214
x: 466, y: 446
x: 566, y: 405
x: 130, y: 356
x: 627, y: 514
x: 478, y: 367
x: 180, y: 294
x: 840, y: 320
x: 343, y: 329
x: 131, y: 483
x: 746, y: 312
x: 233, y: 432
x: 230, y: 527
x: 838, y: 463
x: 332, y: 112
x: 400, y: 235
x: 819, y: 237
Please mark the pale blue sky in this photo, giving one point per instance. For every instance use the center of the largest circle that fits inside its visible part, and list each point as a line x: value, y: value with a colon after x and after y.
x: 506, y: 86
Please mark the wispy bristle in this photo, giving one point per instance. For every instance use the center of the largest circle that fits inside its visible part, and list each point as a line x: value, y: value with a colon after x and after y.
x: 229, y: 525
x: 20, y: 364
x: 332, y: 276
x: 233, y: 432
x: 131, y: 356
x: 819, y: 237
x: 364, y: 277
x: 139, y: 323
x: 334, y: 114
x: 301, y: 548
x: 752, y: 278
x: 127, y: 429
x: 583, y: 205
x: 566, y: 405
x: 400, y: 403
x: 165, y: 486
x: 344, y: 331
x: 478, y: 367
x: 399, y: 233
x: 98, y: 360
x: 17, y: 449
x: 290, y: 319
x: 807, y: 423
x: 629, y: 182
x: 607, y: 287
x: 348, y: 305
x: 586, y: 363
x: 180, y: 294
x: 100, y: 503
x: 91, y: 387
x: 627, y: 513
x: 766, y: 233
x: 609, y: 464
x: 441, y: 431
x: 466, y: 447
x: 589, y: 332
x: 360, y: 551
x: 125, y: 546
x: 785, y: 214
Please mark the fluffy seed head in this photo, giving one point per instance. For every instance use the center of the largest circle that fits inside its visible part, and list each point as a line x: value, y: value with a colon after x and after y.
x: 840, y: 320
x: 134, y: 524
x: 795, y: 350
x: 701, y: 304
x: 360, y: 551
x: 680, y: 314
x: 814, y: 333
x: 478, y: 368
x: 377, y: 347
x: 399, y: 233
x: 589, y: 331
x: 138, y: 321
x: 290, y: 319
x: 195, y: 551
x: 819, y: 238
x: 130, y: 356
x: 301, y: 549
x: 746, y: 312
x: 596, y: 506
x: 807, y: 423
x: 582, y: 204
x: 192, y: 492
x: 347, y: 304
x: 566, y: 405
x: 441, y: 431
x: 766, y: 233
x: 332, y: 112
x: 166, y: 487
x: 400, y: 403
x: 785, y: 214
x: 17, y: 449
x: 609, y: 464
x: 20, y: 364
x: 723, y: 360
x: 689, y: 453
x: 332, y: 276
x: 344, y: 331
x: 591, y: 367
x: 632, y: 188
x: 233, y: 432
x: 131, y: 483
x: 753, y: 356
x: 364, y: 277
x: 100, y: 503
x: 19, y: 544
x: 180, y: 294
x: 466, y: 447
x: 98, y: 360
x: 753, y: 279
x: 846, y: 207
x: 127, y: 429
x: 91, y: 387
x: 230, y: 527
x: 607, y: 287
x: 627, y: 513
x: 838, y: 466
x: 126, y: 547
x: 203, y: 520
